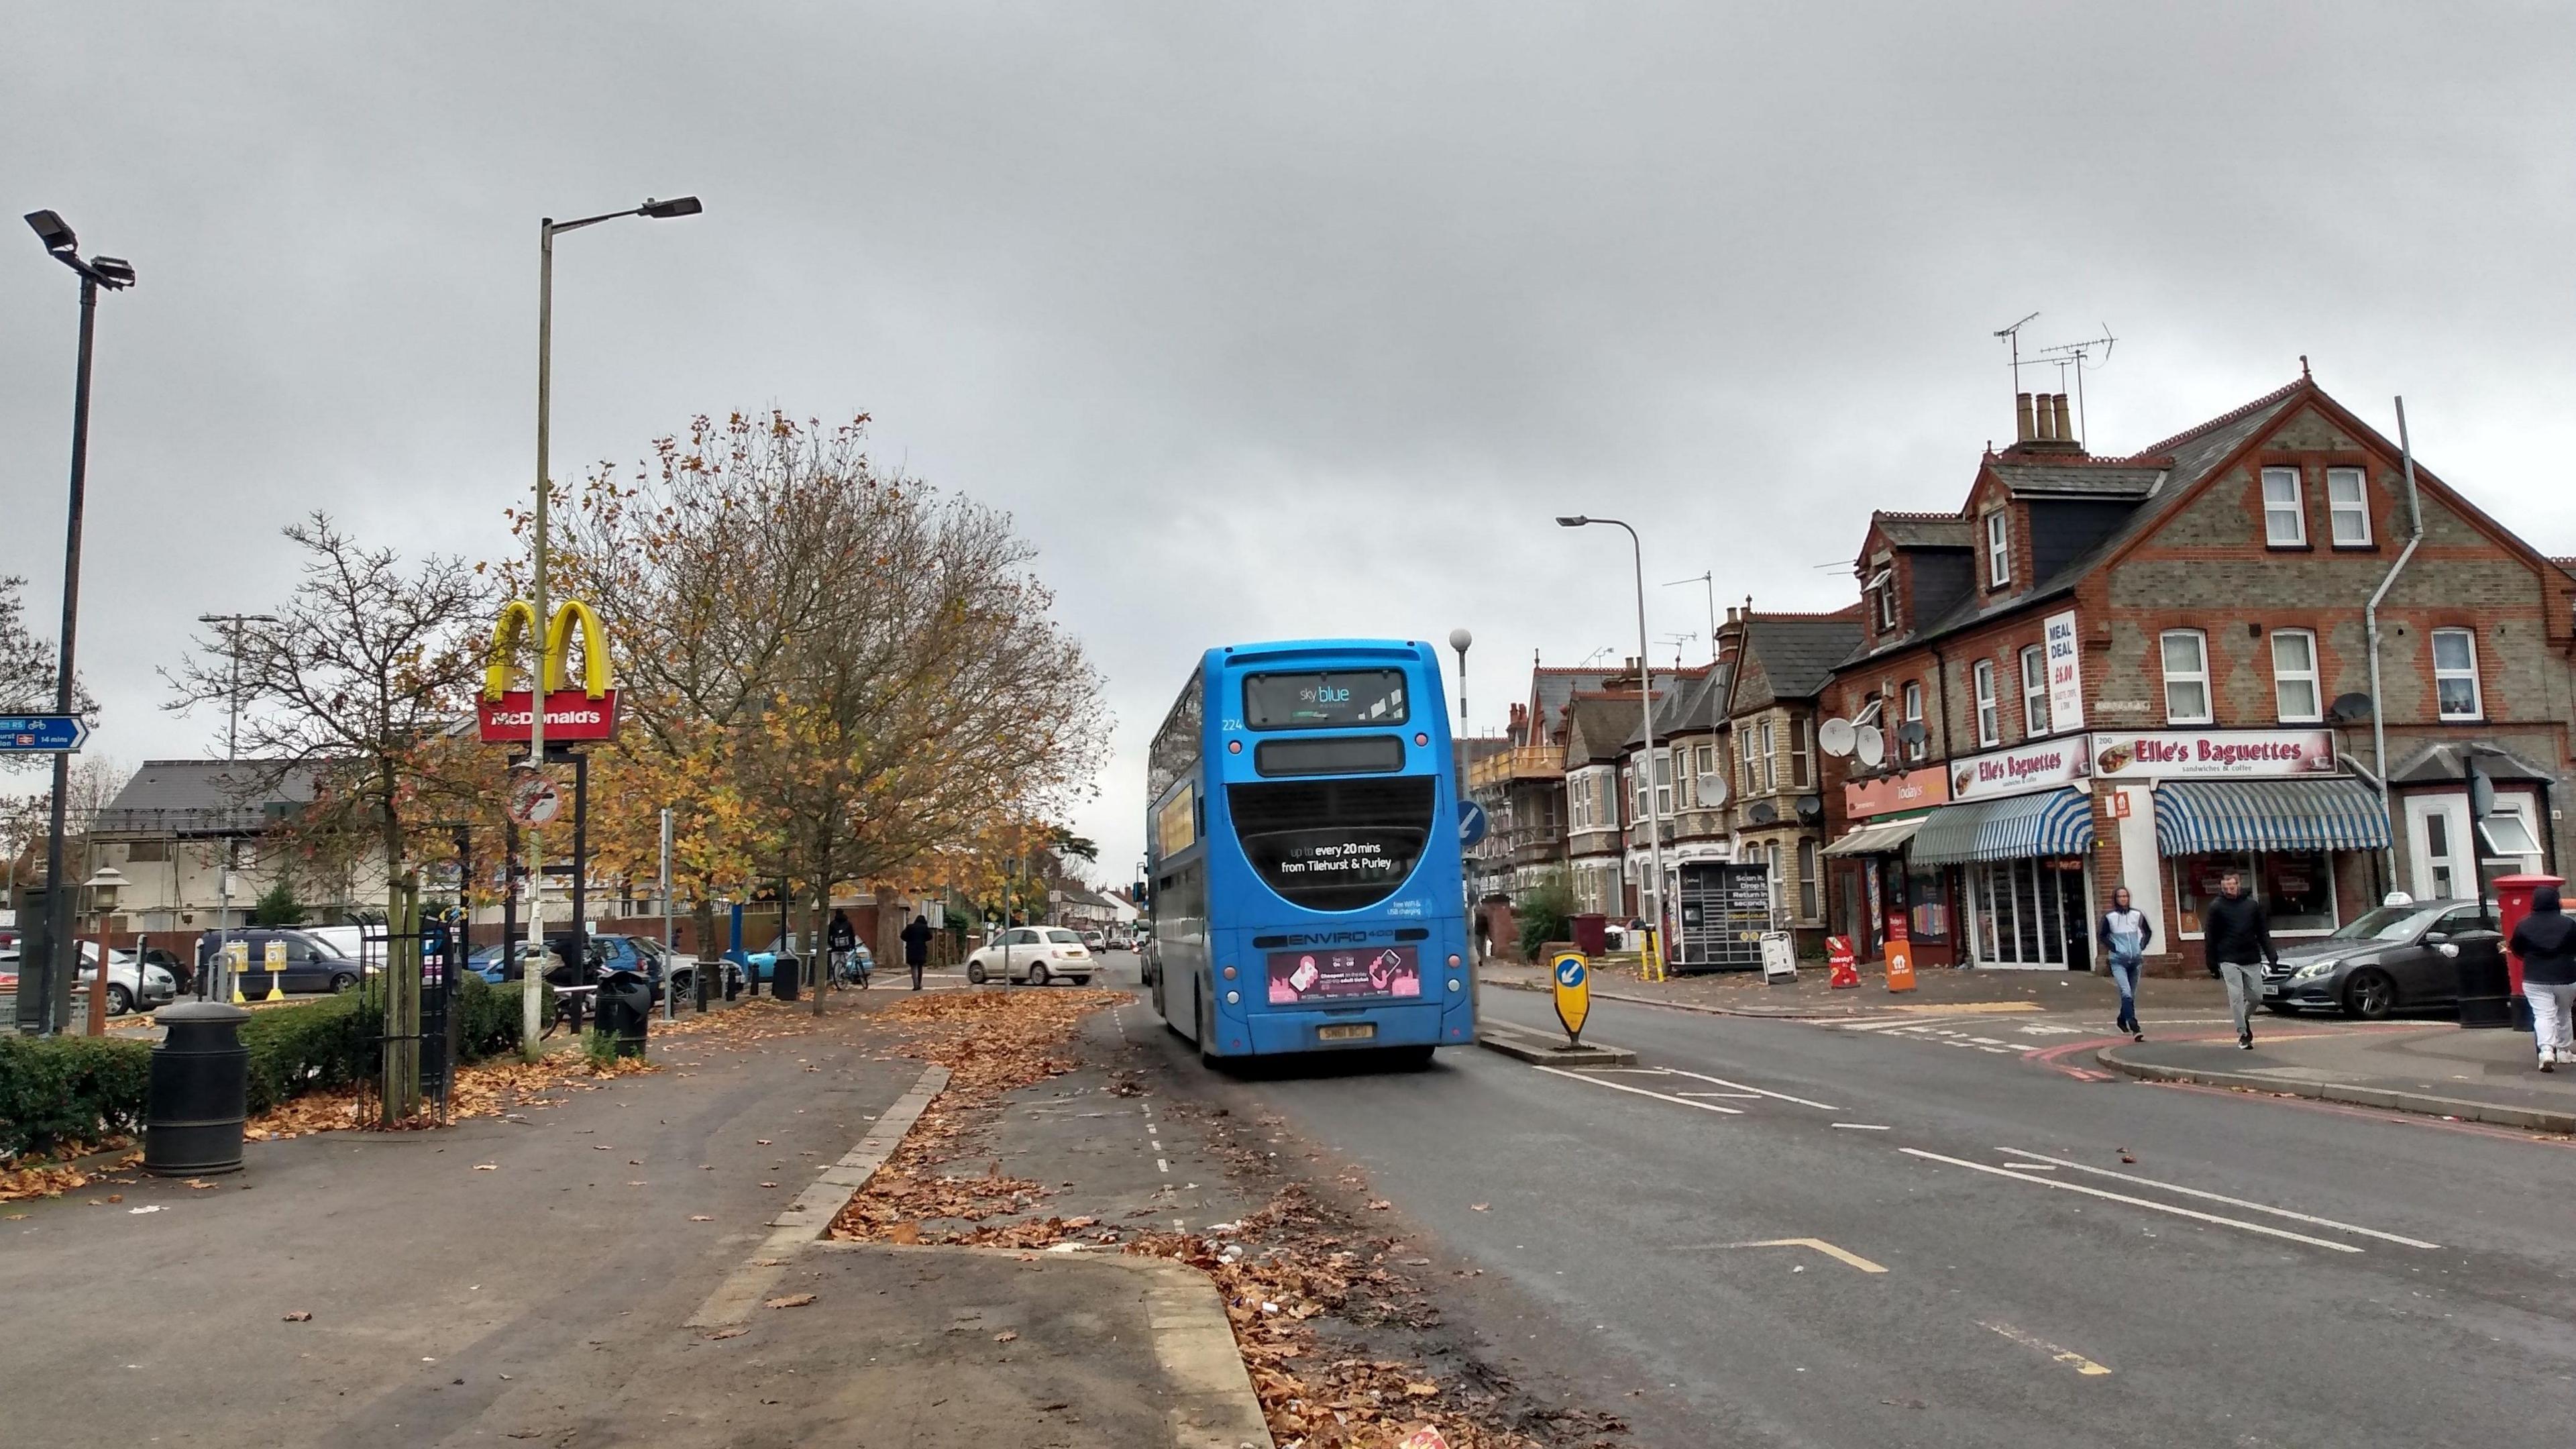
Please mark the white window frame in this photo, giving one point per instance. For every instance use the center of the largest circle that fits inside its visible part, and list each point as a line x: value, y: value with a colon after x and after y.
x: 1770, y: 758
x: 2283, y: 676
x: 1802, y: 753
x: 2293, y: 510
x: 1998, y: 548
x: 1990, y: 728
x: 1664, y: 784
x: 2515, y: 809
x: 1920, y: 749
x: 1883, y: 584
x: 2198, y: 676
x: 2477, y: 692
x: 2034, y: 691
x: 1704, y: 768
x: 2356, y: 509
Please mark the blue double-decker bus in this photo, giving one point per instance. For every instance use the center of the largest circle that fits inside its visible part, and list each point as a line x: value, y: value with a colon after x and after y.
x: 1302, y: 854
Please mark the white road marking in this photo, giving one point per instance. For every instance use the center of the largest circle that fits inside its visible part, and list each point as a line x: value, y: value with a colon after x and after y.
x: 2134, y: 1201
x: 1893, y: 1023
x: 1739, y: 1096
x: 1820, y: 1245
x: 1162, y: 1166
x: 1861, y: 1126
x: 2069, y: 1357
x: 2221, y: 1197
x: 1640, y: 1091
x: 1759, y: 1091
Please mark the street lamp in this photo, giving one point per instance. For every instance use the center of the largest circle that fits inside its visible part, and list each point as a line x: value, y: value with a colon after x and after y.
x: 547, y: 229
x: 1646, y: 708
x: 1460, y: 639
x: 52, y: 998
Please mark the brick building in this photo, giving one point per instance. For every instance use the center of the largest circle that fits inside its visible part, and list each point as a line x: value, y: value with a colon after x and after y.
x: 2147, y: 670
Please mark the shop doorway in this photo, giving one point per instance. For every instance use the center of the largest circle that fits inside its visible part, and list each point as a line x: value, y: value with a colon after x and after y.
x: 2029, y: 915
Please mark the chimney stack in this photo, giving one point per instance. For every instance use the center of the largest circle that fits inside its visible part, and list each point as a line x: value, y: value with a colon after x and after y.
x: 2065, y: 421
x: 2022, y: 422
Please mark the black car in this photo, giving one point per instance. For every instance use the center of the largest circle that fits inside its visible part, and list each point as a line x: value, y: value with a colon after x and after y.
x: 2387, y: 960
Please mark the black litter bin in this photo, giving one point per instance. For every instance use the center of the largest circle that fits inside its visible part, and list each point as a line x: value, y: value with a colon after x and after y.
x: 783, y: 971
x: 2486, y: 986
x: 200, y: 1091
x: 625, y: 1005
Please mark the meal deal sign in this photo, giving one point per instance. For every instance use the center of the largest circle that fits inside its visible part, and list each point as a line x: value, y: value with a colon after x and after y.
x: 2065, y: 672
x: 2212, y: 754
x: 2040, y: 765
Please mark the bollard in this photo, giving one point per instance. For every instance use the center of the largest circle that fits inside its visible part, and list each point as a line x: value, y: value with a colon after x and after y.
x: 199, y: 1093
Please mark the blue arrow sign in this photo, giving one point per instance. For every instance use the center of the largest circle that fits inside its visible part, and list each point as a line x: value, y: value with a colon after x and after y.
x: 1471, y: 824
x: 41, y: 733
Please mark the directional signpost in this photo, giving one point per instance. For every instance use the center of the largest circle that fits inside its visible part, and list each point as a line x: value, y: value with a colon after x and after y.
x: 42, y: 733
x: 1573, y: 993
x: 1471, y: 824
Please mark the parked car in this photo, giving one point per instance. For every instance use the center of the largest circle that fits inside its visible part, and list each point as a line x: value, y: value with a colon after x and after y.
x: 2384, y: 960
x: 1036, y: 954
x: 489, y: 963
x: 762, y: 966
x: 1095, y: 940
x: 130, y: 983
x: 312, y: 963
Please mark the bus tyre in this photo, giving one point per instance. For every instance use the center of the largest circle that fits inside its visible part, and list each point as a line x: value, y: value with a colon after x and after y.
x: 1413, y: 1058
x: 1207, y: 1037
x: 974, y: 973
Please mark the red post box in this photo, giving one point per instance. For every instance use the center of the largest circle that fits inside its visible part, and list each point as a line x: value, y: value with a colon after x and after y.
x: 2513, y: 902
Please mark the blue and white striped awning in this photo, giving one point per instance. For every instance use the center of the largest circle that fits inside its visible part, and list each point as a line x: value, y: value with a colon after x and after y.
x: 2055, y: 822
x: 2207, y: 817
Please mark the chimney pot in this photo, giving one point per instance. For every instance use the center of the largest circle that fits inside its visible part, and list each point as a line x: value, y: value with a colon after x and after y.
x: 2065, y: 420
x: 2024, y: 431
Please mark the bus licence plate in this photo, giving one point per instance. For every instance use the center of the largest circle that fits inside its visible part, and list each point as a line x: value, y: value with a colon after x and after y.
x: 1354, y: 1031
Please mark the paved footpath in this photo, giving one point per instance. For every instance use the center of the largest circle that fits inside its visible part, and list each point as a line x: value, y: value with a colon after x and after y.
x: 532, y: 1281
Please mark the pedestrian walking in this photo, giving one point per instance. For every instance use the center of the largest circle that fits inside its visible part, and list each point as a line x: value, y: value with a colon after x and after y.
x: 2238, y: 934
x: 916, y: 947
x: 2125, y: 935
x: 2545, y: 943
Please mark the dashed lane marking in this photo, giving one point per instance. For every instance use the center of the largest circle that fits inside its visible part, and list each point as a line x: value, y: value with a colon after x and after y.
x: 1758, y: 1091
x: 2067, y: 1356
x: 1861, y: 1126
x: 2219, y: 1197
x: 1640, y: 1091
x: 2180, y: 1212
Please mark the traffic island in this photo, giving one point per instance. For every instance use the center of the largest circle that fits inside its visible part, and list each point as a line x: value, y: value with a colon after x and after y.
x: 1544, y: 1048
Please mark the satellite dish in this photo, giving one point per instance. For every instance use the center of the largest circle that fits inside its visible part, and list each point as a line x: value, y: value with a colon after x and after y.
x: 2349, y: 708
x: 1912, y: 732
x: 1762, y: 813
x: 1869, y: 745
x: 1810, y: 806
x: 1712, y: 790
x: 1836, y: 736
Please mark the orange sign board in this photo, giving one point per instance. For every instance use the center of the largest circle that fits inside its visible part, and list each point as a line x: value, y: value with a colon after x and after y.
x: 1900, y: 955
x: 1912, y: 790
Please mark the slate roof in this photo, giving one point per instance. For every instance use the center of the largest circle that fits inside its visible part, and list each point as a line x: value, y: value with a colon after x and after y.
x: 2438, y: 764
x: 1677, y: 702
x: 2182, y: 461
x: 2091, y: 480
x: 1799, y: 652
x: 189, y: 797
x: 1596, y: 730
x: 1925, y: 530
x: 1551, y: 688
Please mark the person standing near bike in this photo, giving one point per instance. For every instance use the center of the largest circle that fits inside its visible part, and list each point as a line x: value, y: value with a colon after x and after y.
x: 916, y: 947
x: 842, y: 939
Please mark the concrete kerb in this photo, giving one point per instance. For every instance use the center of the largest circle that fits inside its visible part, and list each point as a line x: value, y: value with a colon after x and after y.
x: 2496, y: 1114
x: 804, y: 1219
x: 1522, y: 1044
x: 1625, y: 999
x: 1215, y: 1407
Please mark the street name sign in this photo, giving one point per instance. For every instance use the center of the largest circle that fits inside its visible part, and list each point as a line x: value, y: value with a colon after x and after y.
x: 42, y: 733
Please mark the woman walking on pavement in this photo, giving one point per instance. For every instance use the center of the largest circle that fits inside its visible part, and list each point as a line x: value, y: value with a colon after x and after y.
x: 2125, y: 934
x: 916, y: 947
x: 2546, y: 944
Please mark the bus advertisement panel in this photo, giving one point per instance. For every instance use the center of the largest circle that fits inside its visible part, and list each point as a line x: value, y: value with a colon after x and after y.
x: 1303, y: 862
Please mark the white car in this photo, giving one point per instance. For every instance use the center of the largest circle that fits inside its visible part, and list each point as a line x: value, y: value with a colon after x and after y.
x: 1037, y: 955
x: 129, y: 983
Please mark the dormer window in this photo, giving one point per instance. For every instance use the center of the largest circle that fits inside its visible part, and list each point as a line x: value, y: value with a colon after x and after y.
x: 1882, y: 586
x: 1998, y: 549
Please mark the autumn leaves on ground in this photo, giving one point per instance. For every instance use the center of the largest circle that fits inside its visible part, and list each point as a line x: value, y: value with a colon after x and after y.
x: 1285, y: 1271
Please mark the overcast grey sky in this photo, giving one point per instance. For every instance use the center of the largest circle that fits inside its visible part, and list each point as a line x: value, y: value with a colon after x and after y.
x: 1263, y: 320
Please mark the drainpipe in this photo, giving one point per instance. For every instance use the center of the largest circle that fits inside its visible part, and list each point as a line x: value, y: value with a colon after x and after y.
x: 2370, y: 620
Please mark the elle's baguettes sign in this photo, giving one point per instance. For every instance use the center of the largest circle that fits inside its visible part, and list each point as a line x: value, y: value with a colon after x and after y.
x: 2211, y: 754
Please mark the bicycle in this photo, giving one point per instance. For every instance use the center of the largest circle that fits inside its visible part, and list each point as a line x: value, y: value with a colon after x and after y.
x: 851, y: 968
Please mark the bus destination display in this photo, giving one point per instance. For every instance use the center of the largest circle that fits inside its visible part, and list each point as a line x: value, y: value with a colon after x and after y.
x: 1297, y: 976
x: 1323, y: 700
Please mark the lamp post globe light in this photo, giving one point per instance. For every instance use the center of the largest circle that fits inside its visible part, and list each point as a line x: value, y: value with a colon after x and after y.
x: 45, y: 1002
x: 547, y: 230
x: 1646, y: 709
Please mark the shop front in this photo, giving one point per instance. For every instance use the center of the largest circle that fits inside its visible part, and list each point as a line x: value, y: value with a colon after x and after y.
x: 2273, y: 807
x: 1874, y: 881
x: 2016, y: 846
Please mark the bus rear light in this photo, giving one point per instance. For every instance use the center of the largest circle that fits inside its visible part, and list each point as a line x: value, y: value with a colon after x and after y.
x: 1234, y: 998
x: 1453, y: 960
x: 1229, y: 973
x: 1454, y: 987
x: 1420, y: 738
x: 1234, y: 747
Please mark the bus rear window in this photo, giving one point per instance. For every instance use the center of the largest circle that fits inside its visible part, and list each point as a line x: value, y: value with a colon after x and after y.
x: 1333, y: 845
x: 1323, y: 699
x: 1334, y: 755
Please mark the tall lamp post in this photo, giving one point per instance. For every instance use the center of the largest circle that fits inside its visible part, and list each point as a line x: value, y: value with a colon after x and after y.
x: 547, y: 229
x: 1646, y: 708
x: 1460, y: 639
x: 55, y: 973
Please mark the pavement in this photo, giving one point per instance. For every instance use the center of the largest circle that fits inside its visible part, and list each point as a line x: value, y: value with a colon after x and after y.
x: 1810, y: 996
x: 535, y: 1280
x: 1849, y: 1232
x: 2476, y: 1076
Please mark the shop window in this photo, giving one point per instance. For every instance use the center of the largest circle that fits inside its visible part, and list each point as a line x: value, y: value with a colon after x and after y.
x: 1920, y: 745
x: 2034, y: 692
x: 2186, y: 661
x: 1998, y: 549
x: 1990, y: 730
x: 1928, y: 919
x: 2285, y: 512
x: 2295, y: 695
x: 2349, y: 503
x: 2297, y: 888
x: 1810, y: 881
x: 2455, y: 674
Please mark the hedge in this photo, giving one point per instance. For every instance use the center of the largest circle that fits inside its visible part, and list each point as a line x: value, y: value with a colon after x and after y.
x: 63, y: 1091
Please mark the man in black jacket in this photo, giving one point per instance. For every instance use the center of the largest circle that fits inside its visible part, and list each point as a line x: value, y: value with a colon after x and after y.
x: 2238, y: 934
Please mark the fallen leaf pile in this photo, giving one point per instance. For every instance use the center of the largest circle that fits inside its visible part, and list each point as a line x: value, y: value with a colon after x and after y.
x: 17, y: 1184
x: 481, y: 1089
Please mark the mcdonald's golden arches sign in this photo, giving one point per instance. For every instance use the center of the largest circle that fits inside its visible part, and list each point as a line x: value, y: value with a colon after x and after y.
x: 585, y: 712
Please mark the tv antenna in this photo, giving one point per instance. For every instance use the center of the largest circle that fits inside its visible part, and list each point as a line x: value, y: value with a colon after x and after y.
x: 2079, y: 355
x: 1710, y: 579
x: 1678, y: 640
x: 2012, y: 337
